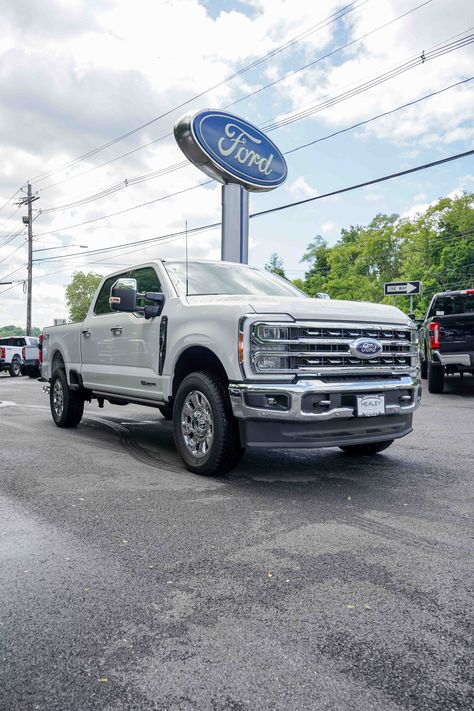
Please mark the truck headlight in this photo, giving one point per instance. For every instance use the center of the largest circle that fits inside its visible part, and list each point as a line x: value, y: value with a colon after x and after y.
x: 272, y: 333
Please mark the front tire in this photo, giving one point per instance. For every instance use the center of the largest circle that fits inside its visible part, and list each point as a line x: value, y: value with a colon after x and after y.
x: 435, y: 378
x: 205, y: 430
x: 15, y: 368
x: 367, y: 449
x: 67, y: 406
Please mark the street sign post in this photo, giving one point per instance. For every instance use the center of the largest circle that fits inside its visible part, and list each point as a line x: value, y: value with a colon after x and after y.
x: 403, y: 288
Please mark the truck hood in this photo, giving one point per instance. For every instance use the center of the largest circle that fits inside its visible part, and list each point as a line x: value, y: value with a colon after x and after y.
x: 329, y: 310
x: 307, y: 309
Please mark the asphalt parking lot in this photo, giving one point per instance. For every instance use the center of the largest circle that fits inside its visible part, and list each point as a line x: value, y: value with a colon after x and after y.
x: 304, y: 580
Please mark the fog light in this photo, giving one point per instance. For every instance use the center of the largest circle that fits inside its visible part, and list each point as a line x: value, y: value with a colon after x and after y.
x: 273, y: 362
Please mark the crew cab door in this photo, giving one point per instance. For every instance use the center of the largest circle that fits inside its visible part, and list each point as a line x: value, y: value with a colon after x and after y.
x: 120, y: 351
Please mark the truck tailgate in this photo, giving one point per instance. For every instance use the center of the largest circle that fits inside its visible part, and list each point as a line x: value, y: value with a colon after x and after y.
x: 457, y: 333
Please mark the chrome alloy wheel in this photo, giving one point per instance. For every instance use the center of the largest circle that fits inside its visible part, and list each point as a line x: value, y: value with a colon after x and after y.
x: 197, y: 423
x: 58, y: 399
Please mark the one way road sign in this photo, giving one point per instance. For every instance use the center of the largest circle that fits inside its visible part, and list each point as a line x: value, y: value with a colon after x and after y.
x: 402, y: 288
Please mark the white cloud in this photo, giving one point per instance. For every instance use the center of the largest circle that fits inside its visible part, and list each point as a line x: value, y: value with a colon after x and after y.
x: 299, y: 189
x: 374, y: 197
x: 328, y: 227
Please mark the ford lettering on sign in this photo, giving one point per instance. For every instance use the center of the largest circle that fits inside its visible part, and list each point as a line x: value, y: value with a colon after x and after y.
x: 230, y: 149
x: 365, y: 348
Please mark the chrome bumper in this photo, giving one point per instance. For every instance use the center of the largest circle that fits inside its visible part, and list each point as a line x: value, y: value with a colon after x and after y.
x: 238, y: 393
x: 453, y: 358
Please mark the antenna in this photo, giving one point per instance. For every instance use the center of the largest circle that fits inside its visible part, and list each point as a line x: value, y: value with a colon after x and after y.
x: 186, y: 248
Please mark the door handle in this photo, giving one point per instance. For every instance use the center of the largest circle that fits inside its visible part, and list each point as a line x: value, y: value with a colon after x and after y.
x: 86, y: 333
x: 116, y: 330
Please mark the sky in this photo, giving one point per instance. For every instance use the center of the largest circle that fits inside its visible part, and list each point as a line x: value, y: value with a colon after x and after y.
x: 75, y: 75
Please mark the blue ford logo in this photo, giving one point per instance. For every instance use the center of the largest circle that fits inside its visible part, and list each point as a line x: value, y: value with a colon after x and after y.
x: 365, y: 348
x: 237, y: 150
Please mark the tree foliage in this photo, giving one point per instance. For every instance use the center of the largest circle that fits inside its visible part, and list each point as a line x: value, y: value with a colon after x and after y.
x: 275, y: 265
x: 80, y: 292
x: 11, y: 330
x: 435, y: 247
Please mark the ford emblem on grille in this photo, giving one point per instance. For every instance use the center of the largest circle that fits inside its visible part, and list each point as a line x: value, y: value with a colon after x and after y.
x: 365, y: 348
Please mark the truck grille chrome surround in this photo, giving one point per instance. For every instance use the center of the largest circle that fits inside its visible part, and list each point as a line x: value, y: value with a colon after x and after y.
x: 318, y: 349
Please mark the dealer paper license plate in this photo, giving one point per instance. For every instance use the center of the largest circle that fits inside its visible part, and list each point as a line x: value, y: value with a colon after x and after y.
x: 370, y: 405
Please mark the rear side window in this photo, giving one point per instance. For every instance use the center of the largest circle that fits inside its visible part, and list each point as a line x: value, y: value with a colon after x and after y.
x: 19, y: 342
x: 451, y: 305
x: 102, y: 305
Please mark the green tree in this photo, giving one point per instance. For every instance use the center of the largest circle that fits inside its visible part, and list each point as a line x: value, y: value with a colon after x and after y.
x: 79, y: 294
x: 275, y: 265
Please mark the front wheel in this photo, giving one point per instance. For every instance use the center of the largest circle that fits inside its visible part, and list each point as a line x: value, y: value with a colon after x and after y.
x: 369, y: 448
x: 435, y: 378
x: 66, y: 405
x: 15, y: 368
x: 205, y: 430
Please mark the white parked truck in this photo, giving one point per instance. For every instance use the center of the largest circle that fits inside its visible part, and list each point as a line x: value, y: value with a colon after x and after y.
x: 20, y: 356
x: 238, y: 358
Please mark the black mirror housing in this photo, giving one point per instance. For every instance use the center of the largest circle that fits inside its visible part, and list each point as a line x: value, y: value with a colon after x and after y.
x: 123, y: 295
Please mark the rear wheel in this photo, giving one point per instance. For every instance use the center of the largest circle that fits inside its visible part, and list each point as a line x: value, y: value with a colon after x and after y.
x: 32, y: 371
x: 15, y: 368
x: 435, y: 378
x: 369, y: 448
x: 205, y: 430
x: 67, y: 406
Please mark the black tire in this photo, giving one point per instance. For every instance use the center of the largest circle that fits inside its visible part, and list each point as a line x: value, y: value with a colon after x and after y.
x: 367, y: 449
x: 166, y: 411
x: 435, y: 378
x: 15, y: 368
x: 68, y: 412
x: 224, y: 450
x: 32, y: 371
x: 423, y: 368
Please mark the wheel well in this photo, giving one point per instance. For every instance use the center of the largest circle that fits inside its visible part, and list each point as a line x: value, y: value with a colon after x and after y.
x: 57, y: 362
x: 194, y: 359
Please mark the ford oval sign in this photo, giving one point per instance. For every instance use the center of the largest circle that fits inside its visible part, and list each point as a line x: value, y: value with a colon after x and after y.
x: 365, y: 348
x: 231, y: 150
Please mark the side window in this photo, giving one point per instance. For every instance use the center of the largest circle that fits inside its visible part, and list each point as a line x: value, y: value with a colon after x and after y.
x: 147, y: 280
x: 102, y: 305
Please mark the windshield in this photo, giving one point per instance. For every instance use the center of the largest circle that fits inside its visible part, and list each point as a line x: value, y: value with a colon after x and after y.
x: 214, y: 278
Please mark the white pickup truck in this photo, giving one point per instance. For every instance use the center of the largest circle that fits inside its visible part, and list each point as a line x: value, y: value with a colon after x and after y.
x: 237, y: 358
x: 19, y: 355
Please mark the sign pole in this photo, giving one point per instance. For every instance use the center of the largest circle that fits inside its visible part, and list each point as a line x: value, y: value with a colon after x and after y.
x: 235, y: 223
x: 411, y: 303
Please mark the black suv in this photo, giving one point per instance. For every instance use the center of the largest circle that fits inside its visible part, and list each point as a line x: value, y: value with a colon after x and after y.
x: 446, y: 338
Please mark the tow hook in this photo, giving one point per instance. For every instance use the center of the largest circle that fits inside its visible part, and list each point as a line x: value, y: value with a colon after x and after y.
x: 46, y: 389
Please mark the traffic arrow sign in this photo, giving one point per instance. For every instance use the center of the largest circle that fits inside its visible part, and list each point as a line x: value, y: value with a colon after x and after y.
x: 402, y: 288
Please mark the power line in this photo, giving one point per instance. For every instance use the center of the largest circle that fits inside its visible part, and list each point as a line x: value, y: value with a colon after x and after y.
x: 246, y: 96
x: 382, y: 115
x: 306, y: 33
x: 410, y: 64
x: 12, y: 237
x: 7, y: 202
x: 327, y: 55
x: 340, y: 191
x: 13, y: 252
x: 380, y: 79
x: 365, y: 184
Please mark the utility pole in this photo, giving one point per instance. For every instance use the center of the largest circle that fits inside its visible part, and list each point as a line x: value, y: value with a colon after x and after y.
x: 29, y: 200
x: 30, y: 262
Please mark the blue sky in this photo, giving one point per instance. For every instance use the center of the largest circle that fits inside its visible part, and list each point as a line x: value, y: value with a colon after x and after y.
x: 85, y: 72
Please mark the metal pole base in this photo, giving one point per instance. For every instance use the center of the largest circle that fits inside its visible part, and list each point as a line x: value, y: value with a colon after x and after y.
x: 235, y: 223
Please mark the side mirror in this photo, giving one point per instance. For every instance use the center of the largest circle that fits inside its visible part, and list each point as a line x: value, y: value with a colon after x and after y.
x: 123, y: 295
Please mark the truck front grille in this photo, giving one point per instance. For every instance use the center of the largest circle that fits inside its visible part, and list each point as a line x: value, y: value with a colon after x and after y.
x: 321, y: 349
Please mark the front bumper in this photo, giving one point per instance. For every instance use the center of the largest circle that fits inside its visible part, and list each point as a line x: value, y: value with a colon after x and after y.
x: 315, y: 413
